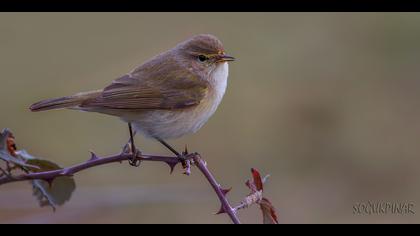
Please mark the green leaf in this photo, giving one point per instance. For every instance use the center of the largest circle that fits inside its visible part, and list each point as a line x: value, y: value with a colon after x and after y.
x: 37, y: 164
x: 55, y: 194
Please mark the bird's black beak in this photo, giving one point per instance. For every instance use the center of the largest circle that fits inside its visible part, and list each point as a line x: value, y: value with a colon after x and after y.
x: 224, y: 57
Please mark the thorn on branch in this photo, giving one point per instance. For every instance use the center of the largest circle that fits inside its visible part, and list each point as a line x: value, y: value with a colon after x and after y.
x: 226, y: 207
x: 93, y: 156
x: 171, y: 165
x: 226, y: 190
x: 49, y: 181
x: 221, y: 211
x: 185, y: 152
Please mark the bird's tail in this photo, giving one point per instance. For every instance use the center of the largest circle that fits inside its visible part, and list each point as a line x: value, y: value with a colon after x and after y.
x: 64, y: 102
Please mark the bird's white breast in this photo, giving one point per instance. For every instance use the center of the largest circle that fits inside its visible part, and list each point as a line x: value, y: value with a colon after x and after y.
x: 219, y: 84
x: 173, y: 124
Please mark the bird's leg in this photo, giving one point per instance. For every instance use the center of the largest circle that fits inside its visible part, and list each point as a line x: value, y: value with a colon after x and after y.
x: 169, y: 147
x: 179, y: 155
x: 134, y: 161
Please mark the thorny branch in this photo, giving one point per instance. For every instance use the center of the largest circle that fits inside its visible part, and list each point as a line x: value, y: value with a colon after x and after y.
x: 221, y: 193
x: 49, y: 176
x: 92, y: 162
x: 187, y: 160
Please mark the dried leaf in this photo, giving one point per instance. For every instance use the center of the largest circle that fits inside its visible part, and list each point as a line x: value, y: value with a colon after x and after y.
x: 11, y: 145
x: 3, y: 137
x: 5, y: 150
x: 39, y: 164
x: 54, y: 192
x: 256, y: 197
x: 269, y: 212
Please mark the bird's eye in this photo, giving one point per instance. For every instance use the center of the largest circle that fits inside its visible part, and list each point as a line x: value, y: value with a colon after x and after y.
x: 202, y: 58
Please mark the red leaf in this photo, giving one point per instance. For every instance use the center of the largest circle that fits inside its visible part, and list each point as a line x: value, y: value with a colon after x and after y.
x: 257, y: 179
x: 269, y: 212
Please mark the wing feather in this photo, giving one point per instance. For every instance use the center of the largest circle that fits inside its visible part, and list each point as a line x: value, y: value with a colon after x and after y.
x: 159, y: 90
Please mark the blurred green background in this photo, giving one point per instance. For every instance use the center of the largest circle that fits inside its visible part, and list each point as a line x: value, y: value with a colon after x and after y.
x: 327, y: 103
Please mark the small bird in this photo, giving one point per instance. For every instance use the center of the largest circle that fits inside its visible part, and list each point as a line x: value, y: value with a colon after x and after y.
x: 168, y: 96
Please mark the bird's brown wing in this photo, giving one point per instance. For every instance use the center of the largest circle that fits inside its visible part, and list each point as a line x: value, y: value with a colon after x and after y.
x: 138, y: 92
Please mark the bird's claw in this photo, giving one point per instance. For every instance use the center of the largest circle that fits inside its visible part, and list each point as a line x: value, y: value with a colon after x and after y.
x: 186, y: 161
x: 134, y: 161
x: 183, y: 157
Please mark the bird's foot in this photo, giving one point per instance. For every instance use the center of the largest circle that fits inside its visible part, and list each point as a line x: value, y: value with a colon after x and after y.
x: 134, y: 161
x: 183, y: 157
x: 186, y: 161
